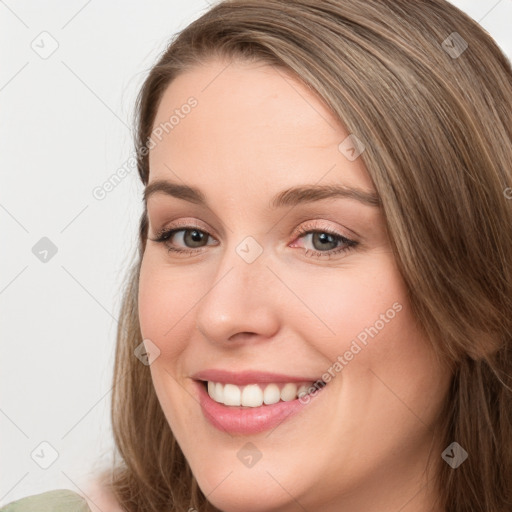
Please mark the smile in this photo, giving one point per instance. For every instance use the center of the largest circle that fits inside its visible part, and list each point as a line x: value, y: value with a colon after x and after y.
x: 252, y: 407
x: 255, y: 395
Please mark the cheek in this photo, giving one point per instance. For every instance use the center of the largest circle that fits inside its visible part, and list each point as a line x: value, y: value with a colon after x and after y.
x: 353, y: 306
x: 372, y: 341
x: 387, y: 370
x: 151, y: 299
x: 163, y: 303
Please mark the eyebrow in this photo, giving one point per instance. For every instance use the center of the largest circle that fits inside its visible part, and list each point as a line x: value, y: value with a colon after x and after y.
x: 289, y: 197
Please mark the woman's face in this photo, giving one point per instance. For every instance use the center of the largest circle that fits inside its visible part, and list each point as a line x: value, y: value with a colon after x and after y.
x: 278, y: 290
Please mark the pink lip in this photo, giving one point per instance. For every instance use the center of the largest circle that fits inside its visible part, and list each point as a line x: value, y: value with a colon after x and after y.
x: 248, y: 377
x: 247, y: 420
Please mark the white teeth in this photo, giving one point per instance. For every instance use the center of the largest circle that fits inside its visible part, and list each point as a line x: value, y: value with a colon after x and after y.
x: 303, y: 390
x: 255, y: 395
x: 289, y: 392
x: 231, y: 394
x: 251, y: 396
x: 219, y: 393
x: 271, y: 395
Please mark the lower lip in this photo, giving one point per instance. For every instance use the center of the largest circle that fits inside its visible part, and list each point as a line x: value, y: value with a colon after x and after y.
x: 248, y: 420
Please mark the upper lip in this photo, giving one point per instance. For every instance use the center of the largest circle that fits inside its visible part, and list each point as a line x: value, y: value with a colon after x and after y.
x: 247, y: 377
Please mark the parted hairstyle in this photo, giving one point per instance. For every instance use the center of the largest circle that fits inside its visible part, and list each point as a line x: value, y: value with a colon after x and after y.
x: 436, y: 121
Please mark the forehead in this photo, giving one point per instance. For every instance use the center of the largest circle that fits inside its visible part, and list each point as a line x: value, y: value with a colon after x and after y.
x: 250, y: 120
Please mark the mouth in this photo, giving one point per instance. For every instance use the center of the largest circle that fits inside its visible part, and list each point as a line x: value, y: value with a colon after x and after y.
x: 255, y: 407
x: 259, y: 394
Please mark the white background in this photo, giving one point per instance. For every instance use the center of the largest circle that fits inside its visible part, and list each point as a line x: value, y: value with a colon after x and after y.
x: 65, y: 129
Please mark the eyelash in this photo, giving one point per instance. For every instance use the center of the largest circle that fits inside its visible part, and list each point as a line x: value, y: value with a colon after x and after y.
x: 165, y: 234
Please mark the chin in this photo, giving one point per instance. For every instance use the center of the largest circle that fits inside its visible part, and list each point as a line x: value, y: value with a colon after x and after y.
x: 245, y: 493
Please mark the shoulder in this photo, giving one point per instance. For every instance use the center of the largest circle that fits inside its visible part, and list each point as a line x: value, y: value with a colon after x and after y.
x: 58, y: 500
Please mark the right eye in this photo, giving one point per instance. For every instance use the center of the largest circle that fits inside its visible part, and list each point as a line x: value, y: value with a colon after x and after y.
x: 192, y: 238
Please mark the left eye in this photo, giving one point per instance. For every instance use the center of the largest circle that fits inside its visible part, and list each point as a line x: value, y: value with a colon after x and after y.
x: 321, y: 239
x: 325, y: 238
x: 194, y: 239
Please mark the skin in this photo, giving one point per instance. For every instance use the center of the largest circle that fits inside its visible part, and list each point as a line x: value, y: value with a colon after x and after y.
x: 360, y: 445
x: 99, y: 498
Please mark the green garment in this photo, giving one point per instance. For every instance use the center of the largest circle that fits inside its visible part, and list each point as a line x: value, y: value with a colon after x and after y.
x: 59, y: 500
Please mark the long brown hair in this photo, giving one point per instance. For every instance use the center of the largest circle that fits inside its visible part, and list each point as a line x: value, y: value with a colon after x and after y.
x: 429, y: 93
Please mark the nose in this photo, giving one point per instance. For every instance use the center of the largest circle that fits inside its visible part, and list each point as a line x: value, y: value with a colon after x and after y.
x: 242, y: 302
